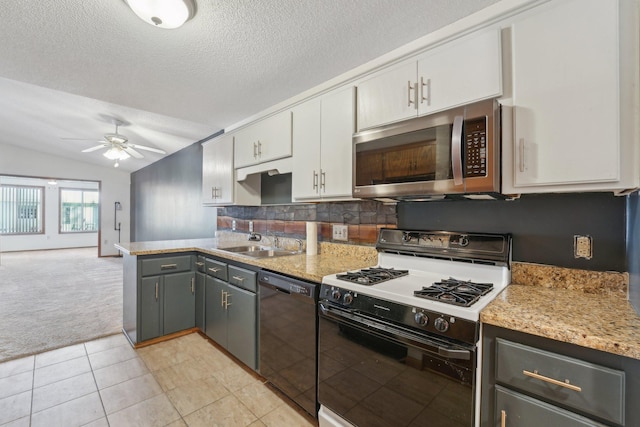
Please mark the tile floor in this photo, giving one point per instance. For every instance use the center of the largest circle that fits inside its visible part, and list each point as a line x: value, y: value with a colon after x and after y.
x: 182, y: 382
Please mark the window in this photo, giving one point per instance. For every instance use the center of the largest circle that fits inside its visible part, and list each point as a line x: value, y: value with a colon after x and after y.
x: 21, y: 209
x: 78, y: 210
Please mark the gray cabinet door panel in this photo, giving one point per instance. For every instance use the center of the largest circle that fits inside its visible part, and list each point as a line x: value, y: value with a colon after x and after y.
x: 215, y: 312
x: 242, y: 326
x: 150, y: 313
x: 524, y: 411
x: 179, y: 302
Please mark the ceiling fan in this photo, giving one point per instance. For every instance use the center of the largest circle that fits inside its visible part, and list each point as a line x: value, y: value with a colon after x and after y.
x: 118, y: 146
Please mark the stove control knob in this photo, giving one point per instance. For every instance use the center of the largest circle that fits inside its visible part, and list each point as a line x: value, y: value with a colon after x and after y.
x: 464, y: 240
x: 336, y: 295
x: 348, y: 298
x: 421, y: 318
x: 441, y: 324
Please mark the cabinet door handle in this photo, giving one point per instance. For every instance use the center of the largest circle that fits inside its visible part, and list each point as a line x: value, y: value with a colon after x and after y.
x: 168, y: 266
x: 410, y: 99
x: 521, y: 147
x: 565, y: 383
x: 259, y: 149
x: 156, y: 291
x: 255, y: 150
x: 226, y: 300
x: 193, y: 289
x: 323, y: 179
x: 503, y: 418
x: 315, y: 180
x: 422, y: 86
x: 222, y: 298
x: 238, y: 278
x: 213, y: 192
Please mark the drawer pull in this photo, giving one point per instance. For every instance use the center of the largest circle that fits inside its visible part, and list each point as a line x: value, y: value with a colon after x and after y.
x: 564, y: 383
x: 168, y: 266
x: 503, y: 418
x: 238, y: 278
x: 199, y: 264
x: 215, y: 270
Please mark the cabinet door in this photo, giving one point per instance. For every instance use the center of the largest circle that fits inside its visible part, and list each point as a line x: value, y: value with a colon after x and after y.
x: 388, y: 96
x: 274, y: 137
x: 179, y: 302
x: 242, y: 325
x: 566, y: 96
x: 462, y: 71
x: 217, y: 171
x: 336, y: 152
x: 215, y: 310
x: 245, y: 148
x: 523, y: 411
x: 150, y: 304
x: 200, y: 300
x: 306, y: 149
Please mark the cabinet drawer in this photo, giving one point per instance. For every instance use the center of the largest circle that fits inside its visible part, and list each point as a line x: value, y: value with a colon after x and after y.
x: 524, y: 411
x: 216, y: 269
x: 242, y: 278
x: 154, y: 266
x: 600, y: 391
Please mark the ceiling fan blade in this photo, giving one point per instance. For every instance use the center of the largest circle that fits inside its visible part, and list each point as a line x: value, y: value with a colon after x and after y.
x: 133, y: 153
x: 97, y: 147
x: 81, y: 139
x: 143, y: 147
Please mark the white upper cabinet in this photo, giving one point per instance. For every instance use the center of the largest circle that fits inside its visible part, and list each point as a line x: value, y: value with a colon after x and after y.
x: 322, y: 143
x: 567, y: 118
x: 217, y: 171
x: 219, y: 186
x: 458, y: 72
x: 268, y: 139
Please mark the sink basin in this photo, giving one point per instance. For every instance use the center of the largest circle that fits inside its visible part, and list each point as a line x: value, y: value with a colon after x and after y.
x: 245, y: 248
x: 256, y: 251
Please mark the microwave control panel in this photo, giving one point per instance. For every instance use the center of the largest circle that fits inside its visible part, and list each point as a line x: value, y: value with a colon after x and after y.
x: 475, y: 140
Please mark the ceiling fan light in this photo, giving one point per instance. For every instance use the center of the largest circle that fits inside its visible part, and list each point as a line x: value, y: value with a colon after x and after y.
x: 167, y: 14
x: 115, y: 153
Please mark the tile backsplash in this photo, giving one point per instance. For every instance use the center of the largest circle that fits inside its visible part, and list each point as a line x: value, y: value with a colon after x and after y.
x: 363, y: 218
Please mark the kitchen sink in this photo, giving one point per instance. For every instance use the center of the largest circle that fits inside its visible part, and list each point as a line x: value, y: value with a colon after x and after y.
x: 256, y: 251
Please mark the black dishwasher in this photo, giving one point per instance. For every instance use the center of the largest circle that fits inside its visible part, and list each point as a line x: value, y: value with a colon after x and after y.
x: 288, y: 337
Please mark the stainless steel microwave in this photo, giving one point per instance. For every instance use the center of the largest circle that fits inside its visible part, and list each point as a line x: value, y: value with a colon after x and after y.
x: 455, y: 152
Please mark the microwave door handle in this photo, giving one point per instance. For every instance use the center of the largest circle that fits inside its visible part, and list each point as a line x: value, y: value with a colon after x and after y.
x: 456, y: 150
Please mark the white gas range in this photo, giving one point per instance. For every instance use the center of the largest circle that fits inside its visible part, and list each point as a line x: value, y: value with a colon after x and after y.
x: 417, y: 311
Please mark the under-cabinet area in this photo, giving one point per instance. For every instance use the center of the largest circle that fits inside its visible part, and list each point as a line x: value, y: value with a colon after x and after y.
x: 529, y: 380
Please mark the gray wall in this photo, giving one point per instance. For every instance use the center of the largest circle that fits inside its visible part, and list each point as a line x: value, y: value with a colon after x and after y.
x: 542, y: 225
x: 166, y: 199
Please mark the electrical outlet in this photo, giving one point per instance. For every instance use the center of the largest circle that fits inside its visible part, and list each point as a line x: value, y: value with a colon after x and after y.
x: 340, y: 232
x: 582, y: 247
x: 250, y: 226
x: 234, y: 225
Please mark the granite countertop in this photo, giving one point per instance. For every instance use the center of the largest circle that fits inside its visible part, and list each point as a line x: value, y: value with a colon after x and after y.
x: 594, y: 320
x: 331, y: 258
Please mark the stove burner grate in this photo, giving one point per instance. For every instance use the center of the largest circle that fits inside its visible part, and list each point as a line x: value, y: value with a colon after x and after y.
x: 454, y: 291
x: 371, y: 276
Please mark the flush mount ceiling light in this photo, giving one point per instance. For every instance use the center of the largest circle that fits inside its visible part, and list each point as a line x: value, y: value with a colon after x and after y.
x: 163, y: 13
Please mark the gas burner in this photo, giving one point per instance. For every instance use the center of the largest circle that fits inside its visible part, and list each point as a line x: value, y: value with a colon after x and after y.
x: 371, y: 276
x: 454, y: 291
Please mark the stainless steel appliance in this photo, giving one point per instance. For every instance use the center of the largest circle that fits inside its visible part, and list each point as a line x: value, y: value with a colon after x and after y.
x: 399, y: 344
x: 288, y: 337
x: 452, y: 152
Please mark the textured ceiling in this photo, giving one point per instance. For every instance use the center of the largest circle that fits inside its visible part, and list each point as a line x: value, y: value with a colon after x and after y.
x: 85, y: 62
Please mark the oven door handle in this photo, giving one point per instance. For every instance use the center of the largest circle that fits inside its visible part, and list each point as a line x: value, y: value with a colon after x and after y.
x: 387, y: 330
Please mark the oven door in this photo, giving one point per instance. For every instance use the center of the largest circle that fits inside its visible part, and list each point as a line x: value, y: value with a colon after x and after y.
x: 373, y: 373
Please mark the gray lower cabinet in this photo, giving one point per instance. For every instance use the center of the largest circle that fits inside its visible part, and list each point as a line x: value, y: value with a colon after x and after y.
x: 231, y: 314
x: 530, y: 381
x: 167, y: 304
x: 200, y: 300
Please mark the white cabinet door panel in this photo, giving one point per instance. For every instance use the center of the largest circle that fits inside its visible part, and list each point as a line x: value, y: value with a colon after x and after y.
x: 566, y: 95
x: 306, y: 150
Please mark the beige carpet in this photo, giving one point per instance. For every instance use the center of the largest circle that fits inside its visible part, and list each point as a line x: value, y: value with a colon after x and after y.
x: 50, y: 299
